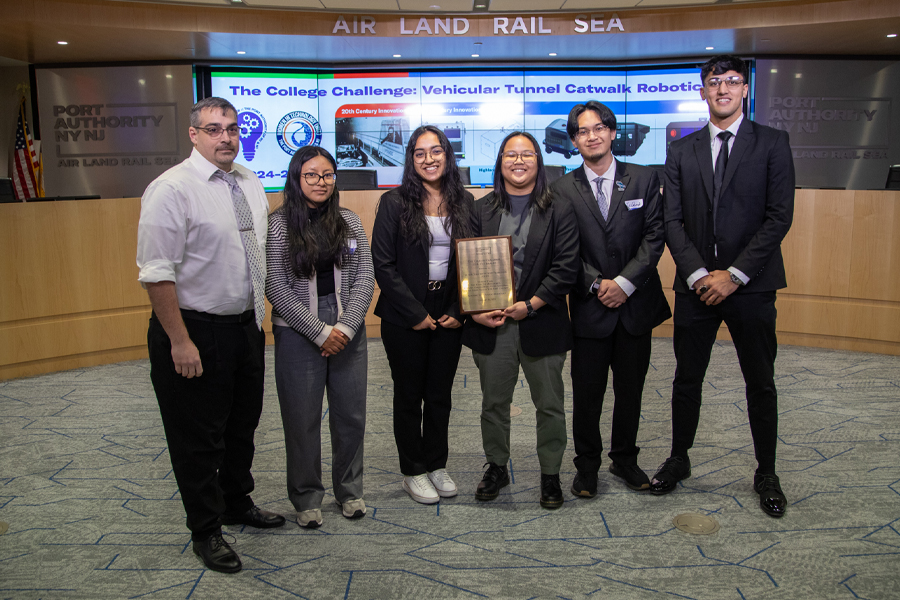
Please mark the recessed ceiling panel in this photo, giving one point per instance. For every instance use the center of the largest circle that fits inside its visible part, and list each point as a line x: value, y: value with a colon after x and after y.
x: 442, y: 5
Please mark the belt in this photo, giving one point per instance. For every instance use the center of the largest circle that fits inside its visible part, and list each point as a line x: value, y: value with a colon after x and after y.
x: 434, y: 286
x: 244, y: 317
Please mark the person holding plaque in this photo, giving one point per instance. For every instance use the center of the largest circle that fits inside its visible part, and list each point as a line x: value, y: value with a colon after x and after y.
x: 618, y: 298
x: 413, y: 252
x: 320, y: 283
x: 534, y: 331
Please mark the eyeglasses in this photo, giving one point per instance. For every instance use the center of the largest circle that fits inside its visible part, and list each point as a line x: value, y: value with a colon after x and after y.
x: 435, y: 153
x: 315, y: 178
x: 512, y: 156
x: 713, y: 83
x: 215, y: 131
x: 596, y: 129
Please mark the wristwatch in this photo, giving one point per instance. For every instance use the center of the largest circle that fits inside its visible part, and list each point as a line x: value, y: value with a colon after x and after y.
x: 735, y: 279
x: 595, y: 287
x: 531, y: 311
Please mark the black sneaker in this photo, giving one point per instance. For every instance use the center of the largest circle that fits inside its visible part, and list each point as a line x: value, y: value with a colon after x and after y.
x: 551, y: 492
x: 584, y: 484
x: 495, y: 477
x: 632, y: 475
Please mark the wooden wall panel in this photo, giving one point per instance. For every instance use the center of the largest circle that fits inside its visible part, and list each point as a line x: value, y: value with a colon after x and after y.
x: 819, y: 243
x: 70, y: 296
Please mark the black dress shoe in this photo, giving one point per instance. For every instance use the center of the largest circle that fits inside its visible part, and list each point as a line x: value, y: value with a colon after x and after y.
x: 551, y: 492
x: 584, y: 484
x: 217, y: 555
x: 771, y: 498
x: 255, y: 517
x: 669, y: 474
x: 632, y: 475
x: 494, y: 478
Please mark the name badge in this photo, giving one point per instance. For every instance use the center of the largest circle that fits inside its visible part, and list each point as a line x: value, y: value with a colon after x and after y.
x: 351, y: 246
x: 634, y: 204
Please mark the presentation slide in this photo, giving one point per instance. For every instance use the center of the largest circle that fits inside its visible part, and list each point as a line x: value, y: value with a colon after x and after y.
x: 365, y: 119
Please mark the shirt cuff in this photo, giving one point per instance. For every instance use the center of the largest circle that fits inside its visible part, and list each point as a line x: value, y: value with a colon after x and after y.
x: 740, y: 274
x: 320, y: 339
x: 698, y: 274
x: 156, y: 271
x: 345, y: 329
x: 626, y: 285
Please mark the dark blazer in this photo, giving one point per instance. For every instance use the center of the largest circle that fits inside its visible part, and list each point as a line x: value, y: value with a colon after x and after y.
x: 401, y: 269
x: 755, y: 209
x: 548, y: 272
x: 629, y: 243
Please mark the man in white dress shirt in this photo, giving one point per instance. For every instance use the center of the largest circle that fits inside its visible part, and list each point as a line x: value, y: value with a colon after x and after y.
x: 201, y: 253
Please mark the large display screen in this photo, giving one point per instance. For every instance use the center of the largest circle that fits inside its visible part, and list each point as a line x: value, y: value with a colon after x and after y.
x: 365, y: 119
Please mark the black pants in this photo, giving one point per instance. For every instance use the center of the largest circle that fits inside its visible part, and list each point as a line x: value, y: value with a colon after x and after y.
x: 751, y: 321
x: 423, y: 366
x: 629, y: 357
x: 210, y: 420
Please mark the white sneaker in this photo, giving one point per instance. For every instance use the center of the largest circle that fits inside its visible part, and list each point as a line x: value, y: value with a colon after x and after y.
x: 353, y: 509
x: 310, y: 519
x: 443, y: 484
x: 420, y: 489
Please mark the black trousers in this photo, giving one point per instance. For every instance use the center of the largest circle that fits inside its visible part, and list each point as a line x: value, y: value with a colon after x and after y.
x: 629, y: 358
x: 210, y: 420
x: 423, y: 366
x: 751, y: 321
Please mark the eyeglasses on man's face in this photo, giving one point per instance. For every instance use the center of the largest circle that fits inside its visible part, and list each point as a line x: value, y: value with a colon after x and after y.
x: 586, y: 131
x: 435, y: 153
x: 215, y: 131
x: 512, y: 156
x: 315, y: 178
x: 731, y: 83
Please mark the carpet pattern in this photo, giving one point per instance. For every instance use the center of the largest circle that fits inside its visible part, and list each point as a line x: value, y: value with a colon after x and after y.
x: 93, y: 510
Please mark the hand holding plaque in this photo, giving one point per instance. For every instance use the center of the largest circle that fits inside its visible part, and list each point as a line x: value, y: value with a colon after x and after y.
x: 485, y: 270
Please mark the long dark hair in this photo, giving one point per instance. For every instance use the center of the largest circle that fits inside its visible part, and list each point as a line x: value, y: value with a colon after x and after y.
x: 412, y: 191
x: 310, y: 242
x: 540, y: 195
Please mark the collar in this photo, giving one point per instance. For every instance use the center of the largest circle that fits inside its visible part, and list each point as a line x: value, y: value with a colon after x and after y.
x: 208, y: 169
x: 609, y: 175
x: 733, y: 128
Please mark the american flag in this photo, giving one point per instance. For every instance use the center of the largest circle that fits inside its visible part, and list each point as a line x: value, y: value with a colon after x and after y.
x: 26, y: 174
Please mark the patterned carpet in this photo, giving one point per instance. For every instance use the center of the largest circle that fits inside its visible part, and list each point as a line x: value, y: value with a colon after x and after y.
x: 93, y: 511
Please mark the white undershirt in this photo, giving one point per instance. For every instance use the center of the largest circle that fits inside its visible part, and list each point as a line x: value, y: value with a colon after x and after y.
x: 439, y: 251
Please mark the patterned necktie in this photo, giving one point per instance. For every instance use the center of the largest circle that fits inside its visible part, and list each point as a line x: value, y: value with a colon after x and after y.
x: 602, y: 201
x: 721, y: 165
x: 251, y: 246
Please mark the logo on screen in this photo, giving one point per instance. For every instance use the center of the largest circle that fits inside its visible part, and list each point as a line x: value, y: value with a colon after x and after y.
x: 253, y: 130
x: 297, y: 129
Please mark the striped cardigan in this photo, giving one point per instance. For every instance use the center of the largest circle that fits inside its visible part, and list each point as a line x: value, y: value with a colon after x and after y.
x: 295, y: 301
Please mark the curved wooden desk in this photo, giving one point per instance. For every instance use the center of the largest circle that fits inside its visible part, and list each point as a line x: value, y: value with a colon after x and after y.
x: 70, y: 298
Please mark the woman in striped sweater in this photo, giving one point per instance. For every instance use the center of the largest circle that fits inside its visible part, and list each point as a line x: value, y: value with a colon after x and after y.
x: 320, y: 283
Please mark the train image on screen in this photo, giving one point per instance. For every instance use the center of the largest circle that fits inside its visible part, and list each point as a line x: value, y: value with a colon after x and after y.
x: 387, y: 146
x: 557, y: 140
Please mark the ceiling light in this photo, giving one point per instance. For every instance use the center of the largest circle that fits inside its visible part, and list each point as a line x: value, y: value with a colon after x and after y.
x: 397, y: 56
x: 475, y: 55
x: 434, y: 7
x: 710, y: 48
x: 241, y: 52
x: 62, y: 43
x: 773, y: 70
x: 892, y: 35
x: 141, y: 81
x: 168, y: 76
x: 798, y: 75
x: 553, y: 54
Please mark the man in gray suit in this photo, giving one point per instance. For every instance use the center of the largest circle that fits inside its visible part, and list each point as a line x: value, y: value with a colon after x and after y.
x: 617, y: 299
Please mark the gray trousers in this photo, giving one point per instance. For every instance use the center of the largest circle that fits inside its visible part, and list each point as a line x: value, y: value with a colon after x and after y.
x: 499, y: 372
x: 302, y: 375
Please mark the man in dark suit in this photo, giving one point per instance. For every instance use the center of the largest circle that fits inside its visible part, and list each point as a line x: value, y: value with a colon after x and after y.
x: 728, y: 203
x: 617, y: 299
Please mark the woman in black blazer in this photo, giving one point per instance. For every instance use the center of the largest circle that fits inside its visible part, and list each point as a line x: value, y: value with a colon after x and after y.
x: 534, y: 332
x: 414, y: 258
